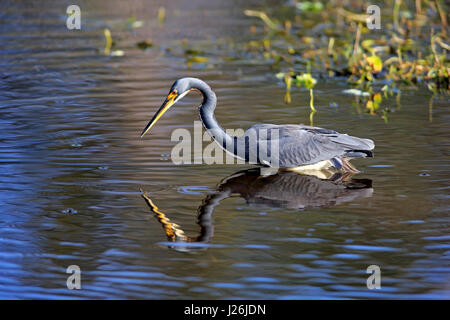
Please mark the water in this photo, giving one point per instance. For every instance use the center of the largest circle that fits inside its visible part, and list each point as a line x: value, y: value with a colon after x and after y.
x: 72, y: 165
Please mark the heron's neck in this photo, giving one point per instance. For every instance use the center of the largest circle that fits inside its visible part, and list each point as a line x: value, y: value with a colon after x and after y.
x: 209, y: 120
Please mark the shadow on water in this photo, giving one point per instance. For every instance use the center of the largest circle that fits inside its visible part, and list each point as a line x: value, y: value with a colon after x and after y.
x: 281, y: 190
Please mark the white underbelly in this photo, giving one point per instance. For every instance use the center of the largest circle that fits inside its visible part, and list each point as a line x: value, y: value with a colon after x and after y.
x: 322, y: 170
x: 321, y: 165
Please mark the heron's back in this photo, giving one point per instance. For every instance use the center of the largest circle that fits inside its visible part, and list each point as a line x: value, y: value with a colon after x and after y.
x: 288, y: 146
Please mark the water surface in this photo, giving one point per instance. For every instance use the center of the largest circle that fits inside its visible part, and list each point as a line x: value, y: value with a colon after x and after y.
x: 72, y: 165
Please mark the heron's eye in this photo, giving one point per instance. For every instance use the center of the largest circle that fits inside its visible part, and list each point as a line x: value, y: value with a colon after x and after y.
x: 172, y: 95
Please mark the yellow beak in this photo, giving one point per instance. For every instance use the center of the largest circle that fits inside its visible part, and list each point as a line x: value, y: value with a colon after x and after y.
x: 170, y: 100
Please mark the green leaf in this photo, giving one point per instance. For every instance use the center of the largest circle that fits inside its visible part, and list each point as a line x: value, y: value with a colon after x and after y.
x: 310, y: 6
x: 375, y: 63
x: 197, y: 59
x: 306, y: 80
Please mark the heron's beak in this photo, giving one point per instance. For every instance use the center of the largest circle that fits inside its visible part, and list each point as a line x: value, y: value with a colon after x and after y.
x: 170, y: 100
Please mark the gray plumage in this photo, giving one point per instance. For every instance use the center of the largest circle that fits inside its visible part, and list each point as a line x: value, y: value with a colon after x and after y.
x: 301, y: 145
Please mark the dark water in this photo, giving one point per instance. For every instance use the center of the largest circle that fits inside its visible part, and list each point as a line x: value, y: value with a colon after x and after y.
x: 72, y: 165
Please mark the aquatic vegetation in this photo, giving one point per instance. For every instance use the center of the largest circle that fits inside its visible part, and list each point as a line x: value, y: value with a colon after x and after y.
x: 192, y: 55
x: 373, y: 104
x: 287, y: 78
x: 132, y: 23
x: 196, y: 59
x: 410, y: 49
x: 301, y: 80
x: 308, y: 82
x: 264, y: 17
x: 309, y: 6
x: 144, y: 45
x: 109, y: 44
x: 161, y: 15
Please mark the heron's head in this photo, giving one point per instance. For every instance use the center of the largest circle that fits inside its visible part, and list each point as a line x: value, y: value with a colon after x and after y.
x: 179, y: 89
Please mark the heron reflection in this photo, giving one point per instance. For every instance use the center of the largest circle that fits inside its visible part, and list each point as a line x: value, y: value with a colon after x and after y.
x: 284, y: 189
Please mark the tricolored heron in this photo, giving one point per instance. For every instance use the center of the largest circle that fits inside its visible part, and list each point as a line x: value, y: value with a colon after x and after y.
x: 295, y: 147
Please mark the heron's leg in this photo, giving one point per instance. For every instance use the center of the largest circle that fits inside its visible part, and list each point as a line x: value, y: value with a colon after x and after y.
x: 347, y: 166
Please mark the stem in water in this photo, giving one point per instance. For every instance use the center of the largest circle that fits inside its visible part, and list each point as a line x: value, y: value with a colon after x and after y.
x: 311, y: 104
x: 311, y: 100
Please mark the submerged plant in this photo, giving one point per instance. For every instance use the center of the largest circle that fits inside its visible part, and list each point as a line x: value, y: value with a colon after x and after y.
x: 161, y: 15
x: 109, y: 44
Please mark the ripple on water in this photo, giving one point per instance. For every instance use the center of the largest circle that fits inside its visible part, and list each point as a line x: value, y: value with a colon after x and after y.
x: 255, y: 246
x: 260, y: 279
x: 381, y: 165
x: 369, y: 248
x: 437, y: 238
x: 347, y: 256
x: 193, y: 189
x: 413, y: 221
x: 303, y: 240
x: 437, y: 247
x: 243, y: 265
x: 305, y: 256
x: 191, y: 244
x: 226, y: 285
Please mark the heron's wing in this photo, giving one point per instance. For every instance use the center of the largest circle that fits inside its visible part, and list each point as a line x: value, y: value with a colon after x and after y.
x: 301, y: 145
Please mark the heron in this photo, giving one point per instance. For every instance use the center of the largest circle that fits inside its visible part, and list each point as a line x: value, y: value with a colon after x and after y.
x: 294, y: 147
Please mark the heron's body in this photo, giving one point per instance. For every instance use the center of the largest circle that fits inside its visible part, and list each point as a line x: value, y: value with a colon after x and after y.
x: 294, y: 147
x: 302, y: 147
